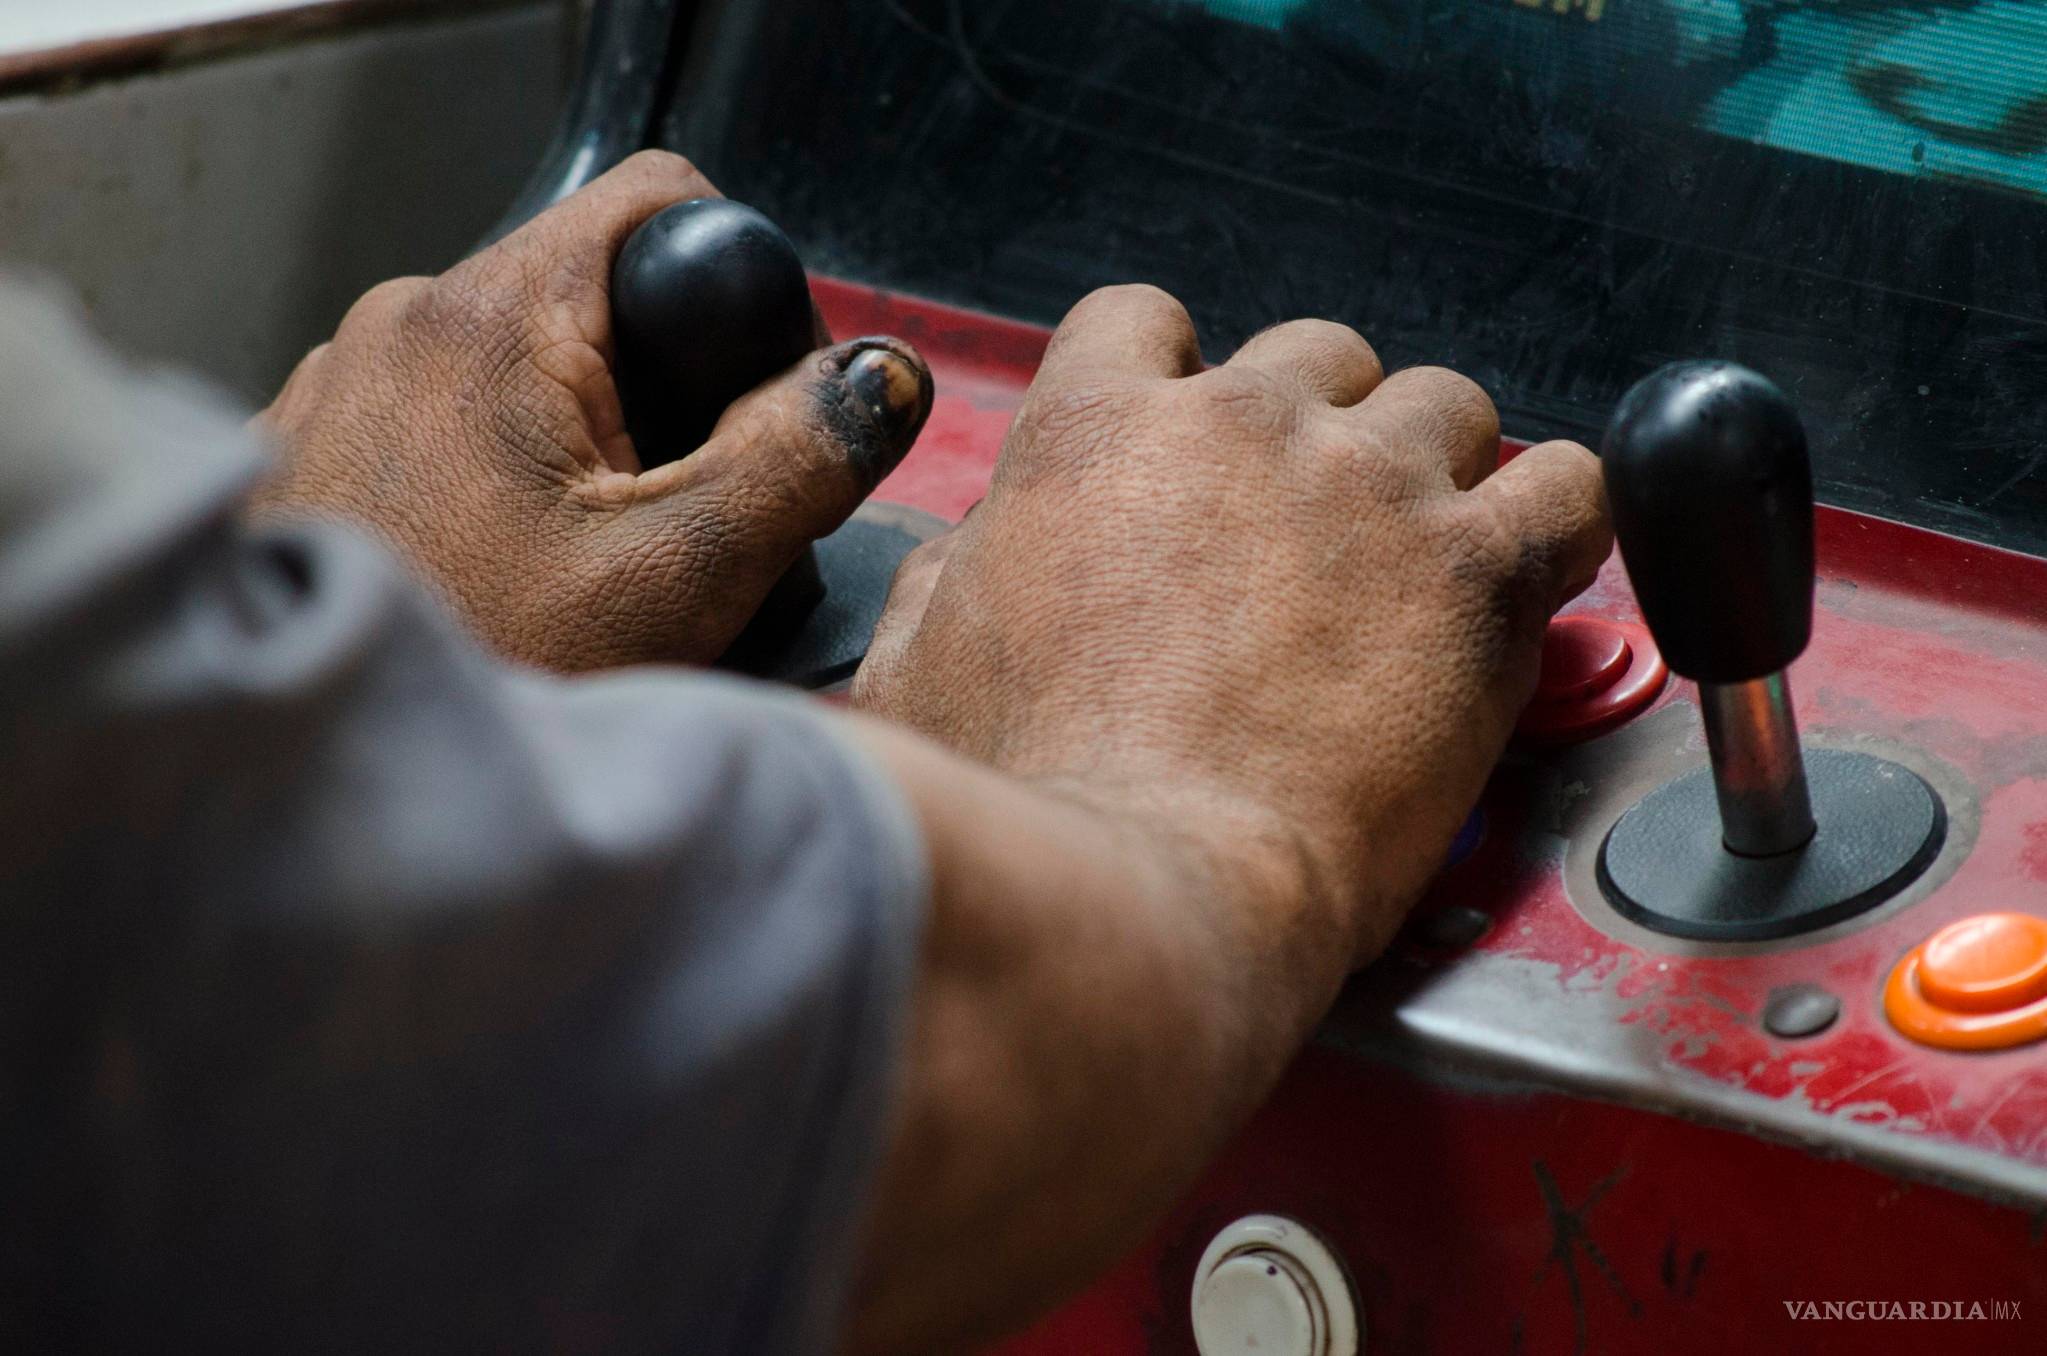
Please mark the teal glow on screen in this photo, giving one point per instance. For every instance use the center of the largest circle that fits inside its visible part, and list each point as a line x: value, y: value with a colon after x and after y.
x: 1264, y: 13
x: 1948, y: 89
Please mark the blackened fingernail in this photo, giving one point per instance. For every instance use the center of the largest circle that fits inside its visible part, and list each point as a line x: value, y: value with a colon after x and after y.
x: 893, y: 390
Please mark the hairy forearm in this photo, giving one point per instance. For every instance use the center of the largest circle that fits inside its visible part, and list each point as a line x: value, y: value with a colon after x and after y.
x: 1109, y: 982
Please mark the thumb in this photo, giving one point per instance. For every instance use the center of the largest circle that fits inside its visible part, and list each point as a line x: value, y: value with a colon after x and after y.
x: 790, y: 460
x: 787, y: 463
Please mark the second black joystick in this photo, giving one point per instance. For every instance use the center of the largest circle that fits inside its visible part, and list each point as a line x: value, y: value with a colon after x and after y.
x: 1710, y: 487
x: 708, y: 300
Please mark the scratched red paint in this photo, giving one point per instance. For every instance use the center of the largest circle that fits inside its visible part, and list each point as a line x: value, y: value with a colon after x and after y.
x: 981, y: 364
x: 2033, y: 856
x: 1436, y: 1199
x: 1434, y: 1193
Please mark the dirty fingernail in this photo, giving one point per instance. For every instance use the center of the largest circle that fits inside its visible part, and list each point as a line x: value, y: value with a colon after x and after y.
x: 895, y: 391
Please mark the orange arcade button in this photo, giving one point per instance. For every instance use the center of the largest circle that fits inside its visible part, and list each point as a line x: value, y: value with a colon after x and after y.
x: 1980, y: 983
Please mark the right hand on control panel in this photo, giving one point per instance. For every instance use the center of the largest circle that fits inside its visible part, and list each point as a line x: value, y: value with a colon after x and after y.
x: 1286, y: 602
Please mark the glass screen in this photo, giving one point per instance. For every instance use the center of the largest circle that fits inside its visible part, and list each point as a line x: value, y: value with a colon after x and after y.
x: 1554, y: 196
x: 1922, y: 88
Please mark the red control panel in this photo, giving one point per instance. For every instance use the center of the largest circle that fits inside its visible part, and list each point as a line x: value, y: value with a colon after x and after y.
x: 1539, y: 1126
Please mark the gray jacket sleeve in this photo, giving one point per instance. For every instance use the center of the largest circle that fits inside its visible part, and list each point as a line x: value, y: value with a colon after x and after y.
x: 361, y: 993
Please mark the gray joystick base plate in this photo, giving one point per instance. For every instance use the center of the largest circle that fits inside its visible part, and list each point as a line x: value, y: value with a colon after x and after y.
x: 1663, y: 865
x: 817, y: 642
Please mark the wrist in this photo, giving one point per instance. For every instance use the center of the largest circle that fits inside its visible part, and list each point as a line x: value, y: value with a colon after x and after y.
x: 1277, y: 887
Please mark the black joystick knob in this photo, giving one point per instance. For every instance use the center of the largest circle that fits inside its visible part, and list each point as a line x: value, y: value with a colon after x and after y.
x: 708, y: 300
x: 1711, y: 492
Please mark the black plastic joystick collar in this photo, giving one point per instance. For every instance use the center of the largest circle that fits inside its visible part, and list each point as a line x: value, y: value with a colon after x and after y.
x: 1711, y: 492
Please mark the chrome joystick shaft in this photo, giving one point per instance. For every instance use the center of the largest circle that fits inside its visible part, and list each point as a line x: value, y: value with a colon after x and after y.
x: 1758, y: 770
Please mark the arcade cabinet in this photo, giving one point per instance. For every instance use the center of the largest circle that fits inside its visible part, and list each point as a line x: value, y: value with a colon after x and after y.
x: 1724, y: 1028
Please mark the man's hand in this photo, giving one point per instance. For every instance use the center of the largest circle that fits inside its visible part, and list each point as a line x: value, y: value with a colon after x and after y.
x: 1287, y: 593
x: 471, y: 420
x: 1243, y: 645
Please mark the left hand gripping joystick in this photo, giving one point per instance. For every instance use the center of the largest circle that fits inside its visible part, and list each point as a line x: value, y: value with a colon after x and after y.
x: 708, y: 300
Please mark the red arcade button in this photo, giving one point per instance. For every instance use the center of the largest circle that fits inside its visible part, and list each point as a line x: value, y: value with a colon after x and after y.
x: 1595, y: 674
x: 1580, y: 656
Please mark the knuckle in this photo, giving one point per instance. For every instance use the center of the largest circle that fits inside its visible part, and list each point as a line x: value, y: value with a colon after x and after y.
x: 1327, y: 336
x: 1459, y: 401
x: 1343, y: 339
x: 1581, y: 458
x: 387, y: 301
x: 1357, y: 350
x: 458, y: 304
x: 660, y: 164
x: 1147, y: 295
x: 1247, y: 402
x: 1125, y: 299
x: 393, y: 291
x: 310, y: 363
x: 1333, y: 356
x: 501, y: 305
x: 1577, y: 470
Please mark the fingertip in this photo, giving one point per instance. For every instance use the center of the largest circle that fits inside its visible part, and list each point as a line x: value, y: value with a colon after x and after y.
x: 1556, y: 497
x: 1560, y: 463
x: 886, y: 395
x: 1131, y: 329
x: 1589, y: 529
x: 658, y: 168
x: 1582, y: 458
x: 789, y: 461
x: 571, y: 246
